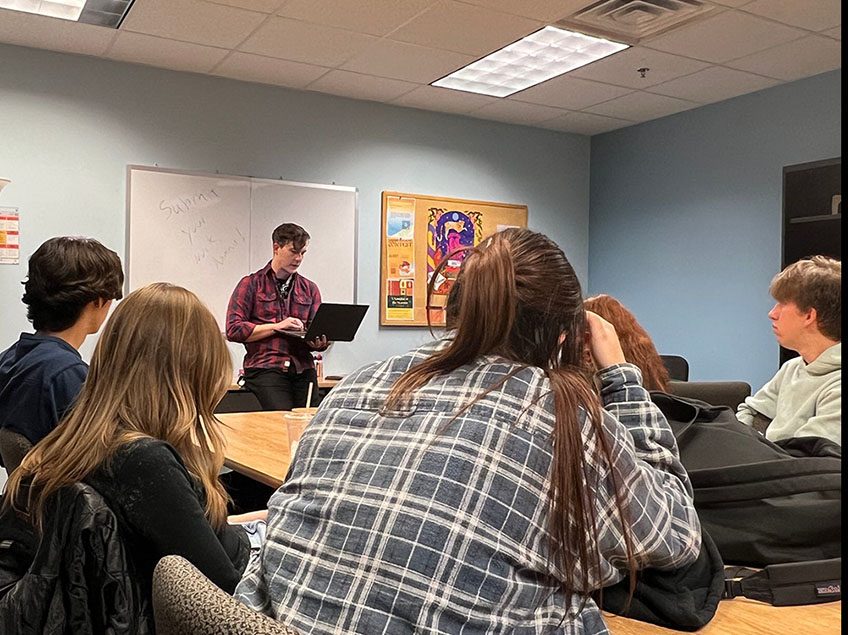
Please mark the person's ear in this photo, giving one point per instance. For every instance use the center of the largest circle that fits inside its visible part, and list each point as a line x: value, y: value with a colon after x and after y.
x: 811, y: 317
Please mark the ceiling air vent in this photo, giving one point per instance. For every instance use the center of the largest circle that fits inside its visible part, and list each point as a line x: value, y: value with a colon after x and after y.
x: 632, y: 20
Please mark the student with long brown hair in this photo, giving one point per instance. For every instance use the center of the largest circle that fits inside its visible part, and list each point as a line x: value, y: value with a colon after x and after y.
x: 143, y: 434
x: 637, y: 345
x: 476, y: 484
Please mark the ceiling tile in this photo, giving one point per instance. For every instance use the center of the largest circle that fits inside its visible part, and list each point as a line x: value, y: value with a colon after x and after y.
x: 303, y: 42
x: 802, y: 58
x: 545, y: 10
x: 621, y: 68
x: 723, y: 37
x: 267, y: 70
x: 815, y: 16
x: 465, y: 28
x: 38, y: 31
x: 192, y: 21
x: 443, y: 100
x: 713, y: 84
x: 361, y: 86
x: 263, y: 6
x: 516, y: 112
x: 834, y: 33
x: 408, y: 62
x: 584, y: 123
x: 732, y: 3
x: 156, y: 51
x: 641, y: 106
x: 569, y: 92
x: 376, y: 17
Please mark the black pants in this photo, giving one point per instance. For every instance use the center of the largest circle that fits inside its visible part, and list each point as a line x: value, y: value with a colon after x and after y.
x: 247, y: 495
x: 281, y: 389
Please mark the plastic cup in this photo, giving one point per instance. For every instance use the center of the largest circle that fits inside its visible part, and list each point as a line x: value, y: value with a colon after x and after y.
x: 296, y: 423
x: 305, y: 411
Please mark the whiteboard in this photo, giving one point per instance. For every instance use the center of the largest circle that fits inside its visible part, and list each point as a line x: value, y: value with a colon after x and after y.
x: 205, y: 232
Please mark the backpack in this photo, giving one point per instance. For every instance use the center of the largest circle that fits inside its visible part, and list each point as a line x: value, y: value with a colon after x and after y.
x: 765, y: 506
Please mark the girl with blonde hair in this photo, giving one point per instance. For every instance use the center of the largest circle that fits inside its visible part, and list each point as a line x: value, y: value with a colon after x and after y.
x: 143, y: 434
x: 478, y: 483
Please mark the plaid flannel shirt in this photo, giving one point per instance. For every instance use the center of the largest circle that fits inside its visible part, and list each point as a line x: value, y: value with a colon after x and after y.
x: 408, y: 522
x: 256, y: 300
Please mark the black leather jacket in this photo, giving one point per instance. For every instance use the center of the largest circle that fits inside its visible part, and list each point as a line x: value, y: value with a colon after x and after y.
x: 77, y: 579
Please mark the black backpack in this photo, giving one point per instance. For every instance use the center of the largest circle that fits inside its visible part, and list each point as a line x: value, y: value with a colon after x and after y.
x: 775, y: 506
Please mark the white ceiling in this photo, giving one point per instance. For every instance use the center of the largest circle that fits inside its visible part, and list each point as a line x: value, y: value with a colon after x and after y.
x: 390, y: 50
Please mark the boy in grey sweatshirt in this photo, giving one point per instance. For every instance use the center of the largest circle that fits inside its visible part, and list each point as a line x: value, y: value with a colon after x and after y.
x: 804, y: 398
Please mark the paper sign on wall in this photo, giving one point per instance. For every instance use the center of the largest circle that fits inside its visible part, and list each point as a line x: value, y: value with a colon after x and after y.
x: 10, y: 238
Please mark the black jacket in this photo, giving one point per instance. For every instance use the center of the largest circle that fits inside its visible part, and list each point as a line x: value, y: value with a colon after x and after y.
x: 77, y: 579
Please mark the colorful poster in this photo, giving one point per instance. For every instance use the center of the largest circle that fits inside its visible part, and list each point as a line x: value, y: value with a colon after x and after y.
x: 400, y: 231
x: 400, y: 299
x: 448, y: 232
x: 10, y: 236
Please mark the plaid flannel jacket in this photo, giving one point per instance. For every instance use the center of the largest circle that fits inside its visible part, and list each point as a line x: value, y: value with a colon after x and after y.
x: 408, y: 522
x: 256, y: 300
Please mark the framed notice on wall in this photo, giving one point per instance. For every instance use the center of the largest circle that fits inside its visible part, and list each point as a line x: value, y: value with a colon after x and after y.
x: 10, y: 236
x: 418, y: 233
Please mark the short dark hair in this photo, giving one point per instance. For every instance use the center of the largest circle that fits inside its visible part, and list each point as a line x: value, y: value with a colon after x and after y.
x: 814, y: 283
x: 65, y: 274
x: 290, y: 233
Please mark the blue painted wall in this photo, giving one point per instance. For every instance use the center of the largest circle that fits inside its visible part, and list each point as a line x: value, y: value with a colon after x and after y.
x: 685, y: 220
x: 70, y: 125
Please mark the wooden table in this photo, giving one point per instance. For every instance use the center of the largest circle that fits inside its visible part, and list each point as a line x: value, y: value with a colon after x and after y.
x: 257, y: 445
x: 741, y: 616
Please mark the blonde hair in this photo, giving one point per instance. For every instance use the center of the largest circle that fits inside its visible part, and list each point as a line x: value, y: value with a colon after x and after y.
x: 158, y: 371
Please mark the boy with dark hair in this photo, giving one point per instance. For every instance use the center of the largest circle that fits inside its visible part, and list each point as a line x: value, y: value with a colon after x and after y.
x: 804, y: 398
x: 70, y: 286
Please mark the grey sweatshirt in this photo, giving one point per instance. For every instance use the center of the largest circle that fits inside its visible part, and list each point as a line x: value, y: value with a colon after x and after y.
x: 801, y: 399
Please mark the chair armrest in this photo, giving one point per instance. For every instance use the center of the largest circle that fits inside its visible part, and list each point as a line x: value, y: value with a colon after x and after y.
x: 186, y: 601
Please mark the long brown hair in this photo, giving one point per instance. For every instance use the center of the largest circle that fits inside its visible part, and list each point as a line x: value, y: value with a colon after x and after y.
x: 158, y: 371
x: 515, y: 296
x: 635, y: 342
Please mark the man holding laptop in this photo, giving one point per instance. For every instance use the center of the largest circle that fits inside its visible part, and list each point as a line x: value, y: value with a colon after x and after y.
x: 268, y: 312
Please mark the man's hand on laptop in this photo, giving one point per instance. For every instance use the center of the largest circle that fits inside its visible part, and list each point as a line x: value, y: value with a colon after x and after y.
x: 289, y: 324
x: 319, y: 343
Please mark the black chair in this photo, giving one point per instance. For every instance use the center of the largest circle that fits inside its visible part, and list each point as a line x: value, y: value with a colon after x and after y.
x: 240, y: 400
x: 13, y: 448
x: 715, y: 393
x: 677, y: 367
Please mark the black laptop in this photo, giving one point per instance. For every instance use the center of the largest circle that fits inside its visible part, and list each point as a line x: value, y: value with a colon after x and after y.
x: 338, y: 322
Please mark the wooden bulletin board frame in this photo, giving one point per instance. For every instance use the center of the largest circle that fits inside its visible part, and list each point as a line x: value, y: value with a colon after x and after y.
x: 417, y: 232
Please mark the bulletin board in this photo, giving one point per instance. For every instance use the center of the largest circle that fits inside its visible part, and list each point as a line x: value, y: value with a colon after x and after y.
x: 418, y: 232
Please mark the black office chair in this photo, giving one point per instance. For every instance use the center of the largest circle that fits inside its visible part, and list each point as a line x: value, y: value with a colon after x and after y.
x: 13, y: 448
x: 678, y: 367
x: 715, y: 393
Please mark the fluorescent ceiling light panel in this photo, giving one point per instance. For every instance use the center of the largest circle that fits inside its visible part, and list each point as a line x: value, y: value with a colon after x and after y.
x: 536, y: 58
x: 65, y: 9
x: 107, y: 13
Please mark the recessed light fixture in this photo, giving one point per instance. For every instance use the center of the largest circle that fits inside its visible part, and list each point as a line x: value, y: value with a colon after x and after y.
x: 107, y: 13
x: 549, y: 52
